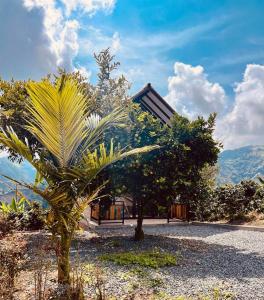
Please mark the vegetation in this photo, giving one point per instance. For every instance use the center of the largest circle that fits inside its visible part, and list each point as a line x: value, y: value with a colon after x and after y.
x: 152, y: 259
x: 21, y: 214
x: 215, y: 294
x: 229, y: 202
x: 66, y: 128
x: 12, y: 261
x: 156, y: 180
x: 70, y: 157
x: 16, y: 206
x: 164, y: 174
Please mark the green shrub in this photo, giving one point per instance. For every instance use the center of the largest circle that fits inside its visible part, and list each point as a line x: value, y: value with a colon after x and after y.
x: 214, y: 294
x: 32, y: 217
x: 231, y: 202
x: 5, y: 226
x: 152, y: 259
x: 16, y: 206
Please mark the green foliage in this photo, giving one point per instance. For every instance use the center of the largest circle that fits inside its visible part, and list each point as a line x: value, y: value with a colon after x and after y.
x: 16, y: 206
x: 236, y: 200
x: 32, y: 217
x: 215, y: 294
x: 108, y: 94
x: 70, y: 156
x: 151, y: 259
x: 171, y: 172
x: 229, y: 202
x: 13, y: 100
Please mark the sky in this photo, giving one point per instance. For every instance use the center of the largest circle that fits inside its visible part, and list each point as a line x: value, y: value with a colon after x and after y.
x: 202, y: 56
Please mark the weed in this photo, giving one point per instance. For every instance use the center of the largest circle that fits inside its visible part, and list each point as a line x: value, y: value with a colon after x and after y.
x: 95, y: 278
x: 152, y: 259
x: 12, y: 260
x: 42, y: 267
x: 215, y: 294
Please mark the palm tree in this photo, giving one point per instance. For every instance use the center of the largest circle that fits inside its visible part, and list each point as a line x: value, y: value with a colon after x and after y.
x: 72, y: 154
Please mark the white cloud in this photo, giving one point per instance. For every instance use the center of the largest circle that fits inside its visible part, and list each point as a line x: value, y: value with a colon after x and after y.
x: 244, y: 125
x: 25, y: 49
x: 37, y: 36
x: 191, y: 93
x: 84, y: 72
x: 116, y: 43
x: 96, y: 40
x: 88, y: 6
x: 61, y: 33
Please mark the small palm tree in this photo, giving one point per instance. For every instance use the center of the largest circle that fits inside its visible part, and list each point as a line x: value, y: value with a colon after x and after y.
x: 72, y: 155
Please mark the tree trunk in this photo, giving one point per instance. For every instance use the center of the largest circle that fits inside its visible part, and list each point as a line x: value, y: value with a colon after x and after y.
x: 139, y: 233
x: 64, y: 257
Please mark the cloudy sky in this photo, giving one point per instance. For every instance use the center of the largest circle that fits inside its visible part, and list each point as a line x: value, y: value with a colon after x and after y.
x: 203, y: 56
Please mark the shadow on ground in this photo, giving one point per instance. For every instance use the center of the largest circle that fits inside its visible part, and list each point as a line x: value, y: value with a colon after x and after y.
x: 199, y: 259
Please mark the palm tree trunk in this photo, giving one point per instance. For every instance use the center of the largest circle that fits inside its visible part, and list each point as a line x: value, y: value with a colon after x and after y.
x: 64, y: 257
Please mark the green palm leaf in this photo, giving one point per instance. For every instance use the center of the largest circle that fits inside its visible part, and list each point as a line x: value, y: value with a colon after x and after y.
x: 58, y: 116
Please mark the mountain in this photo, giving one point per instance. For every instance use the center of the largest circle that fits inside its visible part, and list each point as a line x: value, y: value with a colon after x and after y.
x: 20, y: 172
x: 240, y: 164
x: 234, y: 166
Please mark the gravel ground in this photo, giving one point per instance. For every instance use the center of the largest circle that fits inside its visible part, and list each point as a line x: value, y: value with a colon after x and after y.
x: 211, y: 257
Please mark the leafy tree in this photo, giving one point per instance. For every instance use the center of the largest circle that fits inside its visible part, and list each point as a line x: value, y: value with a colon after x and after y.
x: 156, y: 179
x: 13, y: 100
x: 108, y: 94
x: 70, y: 158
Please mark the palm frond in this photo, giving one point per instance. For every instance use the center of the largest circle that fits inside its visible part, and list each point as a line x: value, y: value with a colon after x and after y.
x: 92, y: 121
x: 94, y: 162
x: 83, y: 202
x: 97, y: 127
x: 58, y: 116
x: 44, y: 168
x: 261, y: 180
x: 10, y: 140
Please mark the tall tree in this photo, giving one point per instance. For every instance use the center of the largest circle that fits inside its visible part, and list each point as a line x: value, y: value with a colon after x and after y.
x: 70, y: 158
x: 158, y: 178
x: 109, y: 93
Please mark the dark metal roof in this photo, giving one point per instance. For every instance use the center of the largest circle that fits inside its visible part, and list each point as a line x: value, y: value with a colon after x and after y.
x: 152, y: 102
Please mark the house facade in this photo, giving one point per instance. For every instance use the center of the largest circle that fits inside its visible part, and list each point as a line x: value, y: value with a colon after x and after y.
x: 151, y: 101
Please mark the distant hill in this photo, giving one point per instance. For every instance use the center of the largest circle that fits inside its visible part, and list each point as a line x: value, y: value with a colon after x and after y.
x: 21, y: 172
x: 234, y: 166
x: 240, y: 164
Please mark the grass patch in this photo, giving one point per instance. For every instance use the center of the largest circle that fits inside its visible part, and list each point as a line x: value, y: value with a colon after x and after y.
x: 151, y: 259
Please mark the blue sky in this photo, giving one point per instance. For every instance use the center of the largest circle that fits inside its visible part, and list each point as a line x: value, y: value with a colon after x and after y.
x: 222, y: 36
x: 202, y: 56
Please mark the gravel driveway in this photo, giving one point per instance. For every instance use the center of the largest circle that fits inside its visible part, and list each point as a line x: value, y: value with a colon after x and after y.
x: 211, y: 257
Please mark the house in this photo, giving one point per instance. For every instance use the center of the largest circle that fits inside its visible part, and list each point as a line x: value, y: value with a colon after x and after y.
x: 151, y: 101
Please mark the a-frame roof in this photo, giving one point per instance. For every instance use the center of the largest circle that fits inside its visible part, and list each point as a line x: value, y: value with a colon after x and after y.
x: 152, y: 102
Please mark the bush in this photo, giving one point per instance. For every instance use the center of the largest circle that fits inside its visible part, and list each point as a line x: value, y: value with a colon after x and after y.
x: 5, y: 226
x: 12, y: 260
x: 32, y: 218
x: 229, y: 202
x: 152, y: 259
